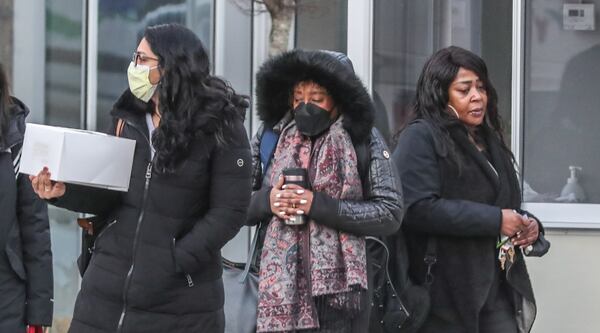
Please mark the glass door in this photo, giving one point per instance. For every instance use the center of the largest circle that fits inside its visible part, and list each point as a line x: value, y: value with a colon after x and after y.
x: 406, y: 33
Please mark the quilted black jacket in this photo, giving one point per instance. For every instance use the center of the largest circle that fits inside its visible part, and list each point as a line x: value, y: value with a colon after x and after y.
x: 26, y: 283
x: 157, y: 266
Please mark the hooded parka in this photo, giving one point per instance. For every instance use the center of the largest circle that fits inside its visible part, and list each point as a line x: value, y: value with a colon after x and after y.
x: 156, y: 267
x: 380, y: 213
x: 26, y: 284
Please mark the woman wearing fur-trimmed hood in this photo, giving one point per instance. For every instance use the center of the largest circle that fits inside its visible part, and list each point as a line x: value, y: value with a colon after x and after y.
x: 313, y: 101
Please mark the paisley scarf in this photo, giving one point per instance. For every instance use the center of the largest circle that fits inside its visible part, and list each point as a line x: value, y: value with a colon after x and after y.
x: 304, y: 265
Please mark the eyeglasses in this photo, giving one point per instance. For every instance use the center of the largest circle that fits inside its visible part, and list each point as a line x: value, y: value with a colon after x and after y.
x: 140, y: 57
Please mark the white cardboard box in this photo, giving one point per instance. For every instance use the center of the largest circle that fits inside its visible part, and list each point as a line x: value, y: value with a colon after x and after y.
x: 78, y: 156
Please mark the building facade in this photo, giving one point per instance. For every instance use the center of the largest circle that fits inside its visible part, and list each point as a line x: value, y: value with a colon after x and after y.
x: 68, y: 62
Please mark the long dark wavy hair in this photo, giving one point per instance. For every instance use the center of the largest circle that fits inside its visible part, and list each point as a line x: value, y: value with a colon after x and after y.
x: 431, y: 101
x: 192, y: 102
x: 4, y: 104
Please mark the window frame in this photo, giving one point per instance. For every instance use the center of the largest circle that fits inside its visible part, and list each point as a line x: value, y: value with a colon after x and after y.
x: 552, y: 215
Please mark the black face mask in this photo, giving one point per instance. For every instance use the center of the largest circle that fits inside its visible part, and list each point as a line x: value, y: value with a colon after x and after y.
x: 311, y: 119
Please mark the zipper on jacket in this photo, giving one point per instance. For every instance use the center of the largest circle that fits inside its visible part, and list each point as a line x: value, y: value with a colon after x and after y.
x: 189, y: 280
x: 135, y: 243
x: 102, y: 233
x: 148, y: 176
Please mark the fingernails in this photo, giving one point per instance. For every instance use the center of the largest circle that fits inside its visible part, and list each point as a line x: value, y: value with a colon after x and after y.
x: 277, y: 204
x: 278, y: 195
x: 283, y: 187
x: 282, y: 213
x: 300, y: 212
x: 300, y: 191
x: 303, y: 201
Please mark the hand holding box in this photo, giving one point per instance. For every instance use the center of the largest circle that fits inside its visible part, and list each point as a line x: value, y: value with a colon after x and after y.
x: 78, y: 157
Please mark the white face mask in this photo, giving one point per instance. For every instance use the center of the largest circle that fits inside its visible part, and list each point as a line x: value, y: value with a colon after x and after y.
x: 139, y: 81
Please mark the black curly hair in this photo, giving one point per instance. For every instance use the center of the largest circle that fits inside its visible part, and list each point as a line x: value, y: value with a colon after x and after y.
x: 4, y: 104
x: 192, y: 102
x: 431, y: 101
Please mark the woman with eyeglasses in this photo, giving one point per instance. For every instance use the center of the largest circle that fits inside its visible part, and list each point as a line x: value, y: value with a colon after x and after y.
x: 156, y: 266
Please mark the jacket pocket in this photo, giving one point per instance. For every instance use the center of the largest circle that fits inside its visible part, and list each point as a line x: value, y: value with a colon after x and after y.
x: 188, y: 277
x: 102, y: 232
x: 16, y: 262
x: 175, y: 267
x: 14, y: 252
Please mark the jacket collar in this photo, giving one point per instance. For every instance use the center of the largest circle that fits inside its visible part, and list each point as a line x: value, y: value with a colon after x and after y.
x: 132, y: 110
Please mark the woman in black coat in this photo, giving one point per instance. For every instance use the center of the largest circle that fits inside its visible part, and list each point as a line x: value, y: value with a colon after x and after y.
x: 381, y: 209
x: 26, y: 286
x: 157, y: 266
x: 463, y: 198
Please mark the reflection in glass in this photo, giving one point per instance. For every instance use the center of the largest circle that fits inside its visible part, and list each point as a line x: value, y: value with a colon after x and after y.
x: 234, y: 63
x: 63, y: 63
x: 127, y: 20
x: 322, y: 25
x: 561, y: 111
x: 62, y: 108
x: 406, y: 33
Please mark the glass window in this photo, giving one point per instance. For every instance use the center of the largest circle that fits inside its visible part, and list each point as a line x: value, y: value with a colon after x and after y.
x: 63, y: 63
x: 561, y: 101
x: 62, y: 105
x: 128, y: 19
x: 322, y: 25
x: 406, y: 33
x: 233, y: 61
x: 6, y: 35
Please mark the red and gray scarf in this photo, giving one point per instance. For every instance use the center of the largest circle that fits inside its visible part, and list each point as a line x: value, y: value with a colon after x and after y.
x: 302, y: 263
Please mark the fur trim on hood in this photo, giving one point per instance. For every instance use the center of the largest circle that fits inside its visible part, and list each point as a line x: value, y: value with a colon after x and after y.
x: 278, y: 76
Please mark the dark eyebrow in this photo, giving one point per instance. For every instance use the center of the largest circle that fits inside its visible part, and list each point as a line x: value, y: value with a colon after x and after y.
x: 468, y: 81
x: 464, y: 82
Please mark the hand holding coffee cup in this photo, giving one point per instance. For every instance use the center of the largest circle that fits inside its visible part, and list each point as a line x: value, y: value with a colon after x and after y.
x: 290, y: 197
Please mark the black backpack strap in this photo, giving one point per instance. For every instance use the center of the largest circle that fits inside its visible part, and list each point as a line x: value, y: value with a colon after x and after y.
x: 430, y: 260
x: 363, y: 161
x: 268, y: 143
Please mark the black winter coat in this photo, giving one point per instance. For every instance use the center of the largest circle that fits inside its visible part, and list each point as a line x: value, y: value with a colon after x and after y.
x: 461, y: 208
x: 26, y: 284
x: 157, y: 266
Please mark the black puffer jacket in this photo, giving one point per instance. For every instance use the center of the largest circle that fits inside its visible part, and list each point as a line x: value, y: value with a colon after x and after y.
x: 381, y: 211
x: 157, y: 266
x: 460, y: 206
x: 26, y: 285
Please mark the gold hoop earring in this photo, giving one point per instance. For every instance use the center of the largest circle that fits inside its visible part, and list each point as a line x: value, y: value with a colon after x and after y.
x: 455, y: 112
